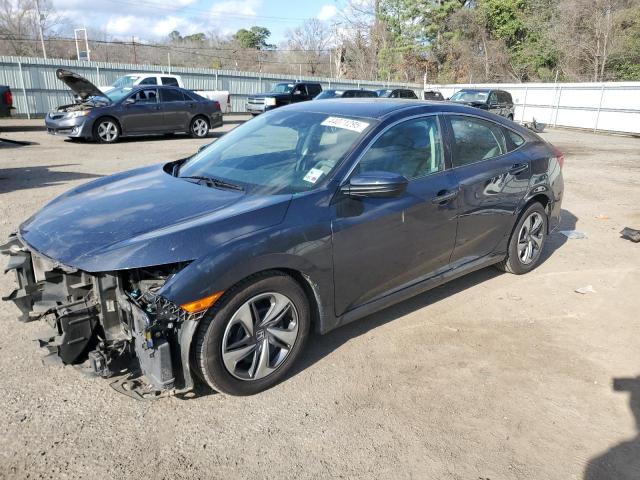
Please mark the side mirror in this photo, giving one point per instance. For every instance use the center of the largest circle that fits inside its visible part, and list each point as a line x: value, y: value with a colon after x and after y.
x: 130, y: 101
x: 375, y: 184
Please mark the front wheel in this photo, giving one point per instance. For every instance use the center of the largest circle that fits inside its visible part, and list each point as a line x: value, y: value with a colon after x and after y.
x: 199, y: 127
x: 106, y: 130
x: 527, y: 241
x: 250, y: 342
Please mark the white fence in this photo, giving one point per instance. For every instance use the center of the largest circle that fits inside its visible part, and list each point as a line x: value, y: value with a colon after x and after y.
x: 609, y: 106
x: 37, y: 90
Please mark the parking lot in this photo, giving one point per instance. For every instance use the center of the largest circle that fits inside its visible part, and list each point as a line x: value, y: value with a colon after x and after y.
x: 492, y: 376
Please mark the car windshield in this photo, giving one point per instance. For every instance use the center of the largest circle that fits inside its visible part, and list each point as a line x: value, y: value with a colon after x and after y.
x: 279, y: 152
x: 117, y: 94
x: 384, y: 93
x: 463, y: 96
x: 328, y: 94
x: 282, y: 88
x: 125, y: 82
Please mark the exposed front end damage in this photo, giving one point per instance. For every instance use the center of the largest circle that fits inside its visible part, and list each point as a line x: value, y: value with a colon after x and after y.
x: 114, y: 323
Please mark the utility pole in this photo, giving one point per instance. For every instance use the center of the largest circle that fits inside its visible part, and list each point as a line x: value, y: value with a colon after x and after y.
x: 44, y: 51
x: 133, y: 42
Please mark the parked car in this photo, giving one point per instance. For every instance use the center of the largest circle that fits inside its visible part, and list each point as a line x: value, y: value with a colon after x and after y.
x: 433, y: 95
x: 494, y: 101
x: 168, y: 80
x: 345, y: 94
x: 308, y: 217
x: 6, y: 101
x: 282, y: 94
x: 397, y: 93
x: 141, y: 110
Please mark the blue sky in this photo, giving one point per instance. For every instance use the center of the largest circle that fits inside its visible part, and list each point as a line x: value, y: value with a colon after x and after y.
x: 154, y: 19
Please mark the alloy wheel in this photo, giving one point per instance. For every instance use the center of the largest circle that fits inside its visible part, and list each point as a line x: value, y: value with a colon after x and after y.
x: 107, y: 131
x: 259, y: 336
x: 200, y: 127
x: 530, y: 238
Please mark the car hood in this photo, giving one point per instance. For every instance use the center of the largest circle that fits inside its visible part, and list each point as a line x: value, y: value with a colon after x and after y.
x: 145, y: 217
x: 270, y: 94
x: 471, y: 104
x: 82, y: 87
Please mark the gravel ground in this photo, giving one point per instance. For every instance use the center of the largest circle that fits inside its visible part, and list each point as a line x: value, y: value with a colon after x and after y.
x: 492, y: 376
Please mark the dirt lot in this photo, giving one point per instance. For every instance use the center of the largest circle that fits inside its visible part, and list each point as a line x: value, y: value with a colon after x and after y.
x: 493, y: 376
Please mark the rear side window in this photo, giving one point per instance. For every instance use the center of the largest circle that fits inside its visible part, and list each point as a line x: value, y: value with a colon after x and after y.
x: 476, y: 140
x: 513, y: 139
x: 412, y: 148
x: 171, y: 95
x: 314, y: 89
x: 149, y: 81
x: 170, y: 81
x: 505, y: 97
x: 409, y: 94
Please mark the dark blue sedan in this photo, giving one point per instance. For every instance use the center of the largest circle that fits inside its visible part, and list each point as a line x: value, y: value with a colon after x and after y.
x: 307, y: 217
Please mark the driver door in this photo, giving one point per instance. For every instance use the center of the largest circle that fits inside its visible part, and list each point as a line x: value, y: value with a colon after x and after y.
x: 144, y: 115
x: 381, y: 245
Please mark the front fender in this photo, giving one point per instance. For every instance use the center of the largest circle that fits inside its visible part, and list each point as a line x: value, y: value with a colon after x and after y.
x: 304, y: 247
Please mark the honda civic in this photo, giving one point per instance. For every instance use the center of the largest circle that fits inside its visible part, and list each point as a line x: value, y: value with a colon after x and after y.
x: 216, y: 268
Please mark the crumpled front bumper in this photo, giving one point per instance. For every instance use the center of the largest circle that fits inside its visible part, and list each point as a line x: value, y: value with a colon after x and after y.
x: 92, y: 320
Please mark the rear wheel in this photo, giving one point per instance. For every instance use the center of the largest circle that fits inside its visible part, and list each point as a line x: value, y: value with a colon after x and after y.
x: 199, y: 127
x: 106, y: 130
x: 250, y: 342
x: 527, y: 241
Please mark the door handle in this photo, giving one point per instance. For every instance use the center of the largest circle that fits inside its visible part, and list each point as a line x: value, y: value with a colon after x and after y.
x: 518, y: 168
x: 444, y: 196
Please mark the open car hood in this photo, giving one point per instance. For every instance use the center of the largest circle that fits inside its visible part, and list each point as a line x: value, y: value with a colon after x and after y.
x: 82, y: 87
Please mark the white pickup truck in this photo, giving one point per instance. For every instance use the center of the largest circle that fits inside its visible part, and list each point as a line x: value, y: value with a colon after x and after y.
x: 134, y: 79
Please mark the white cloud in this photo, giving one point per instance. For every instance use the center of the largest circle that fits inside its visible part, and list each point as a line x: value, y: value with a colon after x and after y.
x: 327, y: 12
x: 237, y: 7
x: 120, y: 25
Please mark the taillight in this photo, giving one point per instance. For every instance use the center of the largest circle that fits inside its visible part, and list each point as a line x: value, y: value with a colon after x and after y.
x: 229, y: 99
x: 8, y: 97
x: 217, y: 104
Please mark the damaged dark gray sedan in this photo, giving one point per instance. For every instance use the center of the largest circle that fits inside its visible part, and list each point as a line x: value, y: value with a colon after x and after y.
x: 216, y: 268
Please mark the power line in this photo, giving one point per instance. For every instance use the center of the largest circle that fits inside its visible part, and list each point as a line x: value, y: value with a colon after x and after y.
x: 187, y: 50
x: 18, y: 38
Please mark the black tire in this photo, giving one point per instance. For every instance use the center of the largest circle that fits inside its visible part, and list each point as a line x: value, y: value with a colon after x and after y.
x: 211, y: 335
x: 514, y: 262
x: 199, y: 127
x: 106, y: 130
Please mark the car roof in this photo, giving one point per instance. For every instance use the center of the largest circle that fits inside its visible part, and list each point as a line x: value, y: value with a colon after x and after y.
x: 378, y: 108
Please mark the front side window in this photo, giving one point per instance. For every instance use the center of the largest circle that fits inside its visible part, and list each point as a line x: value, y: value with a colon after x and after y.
x: 279, y: 152
x: 476, y: 140
x: 148, y: 95
x: 149, y: 81
x: 412, y: 149
x: 493, y: 98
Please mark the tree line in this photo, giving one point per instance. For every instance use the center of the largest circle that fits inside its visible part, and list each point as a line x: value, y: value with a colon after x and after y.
x: 442, y: 41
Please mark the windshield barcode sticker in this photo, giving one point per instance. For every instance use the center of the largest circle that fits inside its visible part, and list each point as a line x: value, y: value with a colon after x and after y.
x: 313, y: 175
x: 346, y: 123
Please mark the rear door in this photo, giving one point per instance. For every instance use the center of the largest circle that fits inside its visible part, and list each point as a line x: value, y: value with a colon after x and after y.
x: 145, y: 114
x: 176, y: 111
x: 381, y: 245
x: 493, y: 175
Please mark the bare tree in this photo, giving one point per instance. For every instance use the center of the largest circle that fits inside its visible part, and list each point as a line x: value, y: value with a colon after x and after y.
x: 309, y: 44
